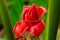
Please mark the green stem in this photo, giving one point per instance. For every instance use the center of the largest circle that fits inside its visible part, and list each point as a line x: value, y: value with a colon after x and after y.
x: 6, y: 20
x: 52, y: 20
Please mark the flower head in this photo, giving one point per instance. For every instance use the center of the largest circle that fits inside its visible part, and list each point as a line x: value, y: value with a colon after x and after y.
x: 31, y: 21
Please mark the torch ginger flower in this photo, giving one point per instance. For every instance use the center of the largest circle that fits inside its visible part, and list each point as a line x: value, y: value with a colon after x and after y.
x: 31, y: 21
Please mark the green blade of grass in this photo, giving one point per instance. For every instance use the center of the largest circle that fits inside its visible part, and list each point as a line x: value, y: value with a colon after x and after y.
x: 52, y: 20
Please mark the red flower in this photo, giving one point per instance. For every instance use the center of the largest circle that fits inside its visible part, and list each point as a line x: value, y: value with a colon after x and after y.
x: 31, y: 21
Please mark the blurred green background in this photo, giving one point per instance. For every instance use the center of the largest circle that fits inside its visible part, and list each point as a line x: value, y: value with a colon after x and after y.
x: 11, y: 11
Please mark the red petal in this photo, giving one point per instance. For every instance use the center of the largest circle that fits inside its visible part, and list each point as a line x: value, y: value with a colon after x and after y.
x: 40, y: 11
x: 32, y: 14
x: 19, y: 29
x: 25, y: 11
x: 37, y: 29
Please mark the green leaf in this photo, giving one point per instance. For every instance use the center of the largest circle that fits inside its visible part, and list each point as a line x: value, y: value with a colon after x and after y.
x: 6, y: 20
x: 52, y: 20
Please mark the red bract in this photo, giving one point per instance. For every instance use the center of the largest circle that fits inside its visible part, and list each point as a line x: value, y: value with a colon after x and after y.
x: 19, y: 28
x: 31, y: 21
x: 37, y: 29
